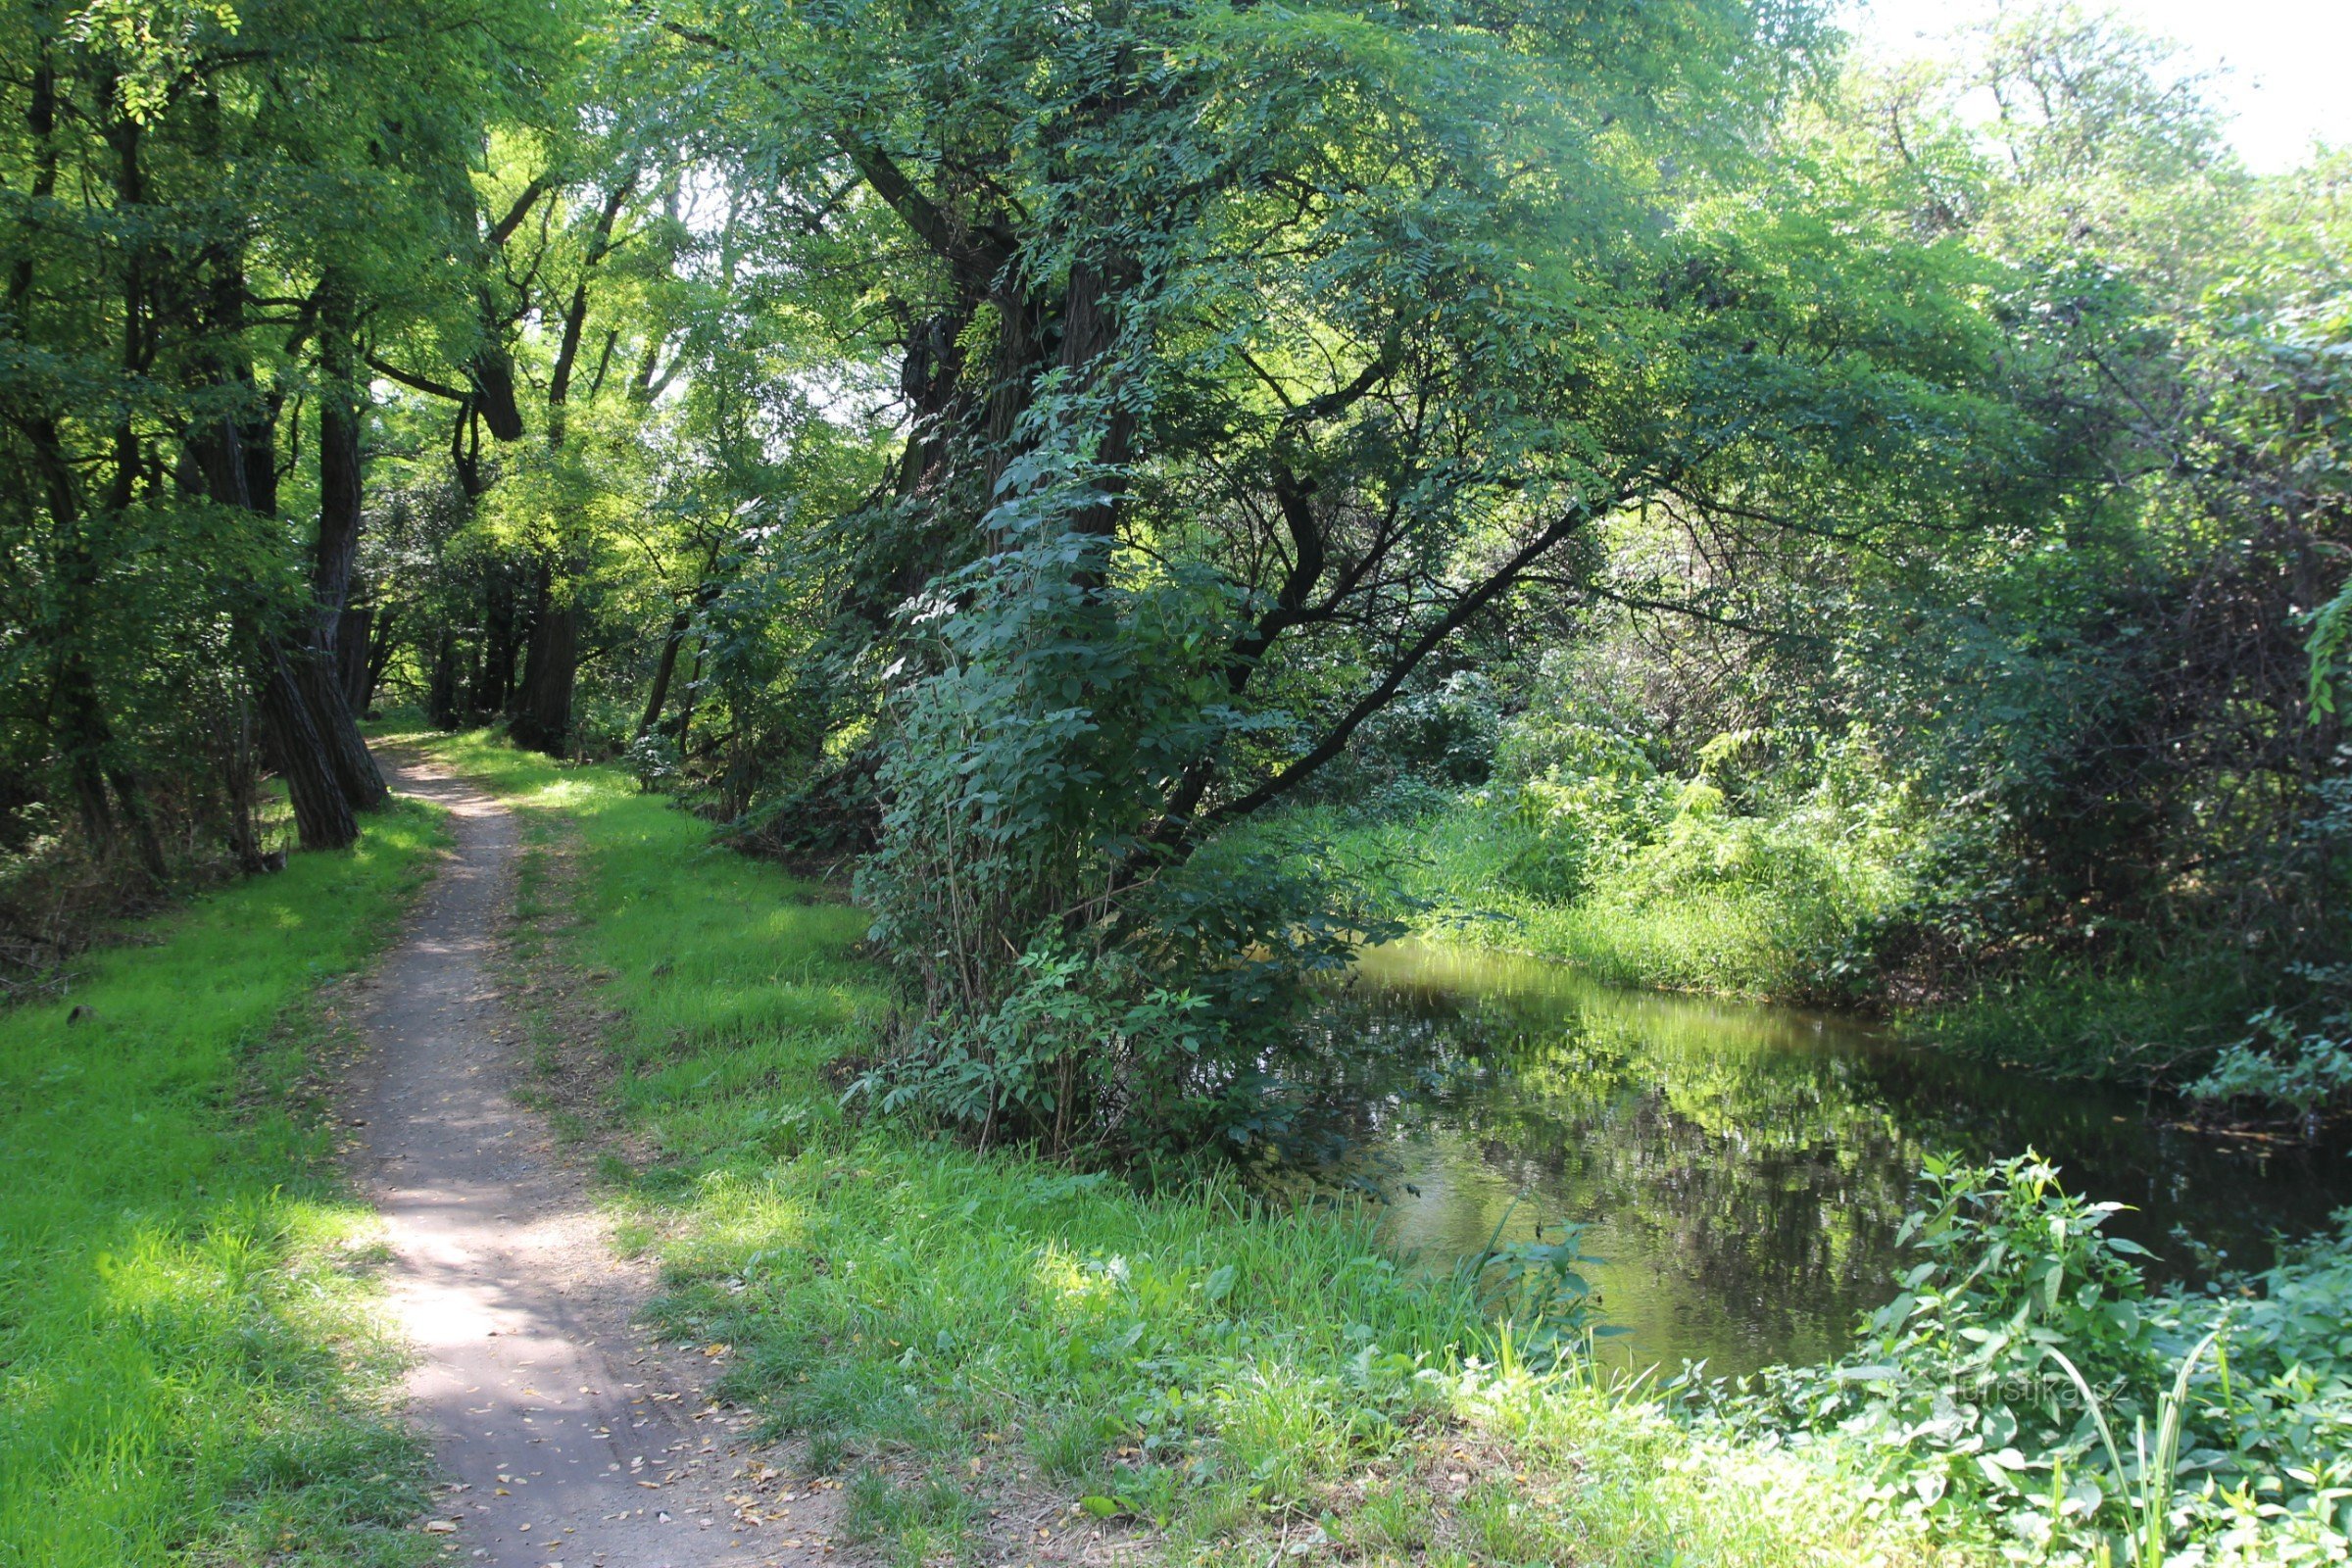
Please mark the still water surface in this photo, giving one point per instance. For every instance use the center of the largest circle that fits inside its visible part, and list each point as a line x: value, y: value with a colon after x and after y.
x: 1741, y: 1170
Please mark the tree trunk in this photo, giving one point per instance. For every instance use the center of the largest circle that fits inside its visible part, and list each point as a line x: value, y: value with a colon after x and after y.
x: 322, y: 814
x: 348, y: 758
x: 339, y: 502
x: 353, y: 642
x: 663, y: 672
x: 543, y: 709
x: 236, y: 782
x: 143, y: 836
x: 382, y: 643
x: 82, y: 735
x: 236, y: 457
x: 494, y: 680
x: 694, y: 692
x: 441, y: 692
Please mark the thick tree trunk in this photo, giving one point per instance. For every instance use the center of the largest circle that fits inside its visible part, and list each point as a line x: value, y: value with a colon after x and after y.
x: 543, y: 709
x: 339, y: 503
x: 322, y: 815
x: 236, y: 457
x: 345, y: 750
x: 441, y: 691
x: 353, y: 645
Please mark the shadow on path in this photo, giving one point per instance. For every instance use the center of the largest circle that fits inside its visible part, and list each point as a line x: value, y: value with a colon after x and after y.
x: 566, y: 1436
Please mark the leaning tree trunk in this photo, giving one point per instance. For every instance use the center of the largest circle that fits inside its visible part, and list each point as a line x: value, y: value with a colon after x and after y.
x: 663, y: 672
x: 339, y: 498
x: 667, y: 671
x: 322, y: 815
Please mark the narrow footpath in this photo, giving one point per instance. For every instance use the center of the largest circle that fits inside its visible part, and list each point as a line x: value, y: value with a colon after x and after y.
x: 564, y: 1435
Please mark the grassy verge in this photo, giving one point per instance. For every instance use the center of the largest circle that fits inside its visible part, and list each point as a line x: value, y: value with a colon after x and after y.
x: 1011, y: 1362
x: 2148, y: 1021
x: 1792, y: 938
x: 186, y: 1374
x: 1764, y: 940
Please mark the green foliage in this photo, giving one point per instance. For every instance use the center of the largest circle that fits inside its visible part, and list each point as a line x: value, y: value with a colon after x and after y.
x: 2304, y: 1070
x: 1993, y: 1387
x: 187, y: 1366
x: 1582, y: 847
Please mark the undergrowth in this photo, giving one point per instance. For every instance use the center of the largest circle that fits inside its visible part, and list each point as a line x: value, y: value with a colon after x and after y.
x: 1754, y: 924
x: 187, y: 1374
x: 1782, y: 909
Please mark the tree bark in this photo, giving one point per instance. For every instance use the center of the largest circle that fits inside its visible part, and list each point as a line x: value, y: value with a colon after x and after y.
x: 143, y: 836
x: 322, y: 815
x: 663, y: 672
x: 355, y: 642
x: 339, y: 506
x: 543, y: 708
x: 441, y: 691
x: 542, y: 717
x: 383, y: 641
x: 494, y: 676
x: 667, y: 671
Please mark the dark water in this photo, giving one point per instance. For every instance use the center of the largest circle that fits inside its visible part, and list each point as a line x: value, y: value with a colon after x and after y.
x: 1743, y: 1170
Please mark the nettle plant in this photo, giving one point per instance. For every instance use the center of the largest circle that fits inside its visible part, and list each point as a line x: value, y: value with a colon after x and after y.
x: 2027, y: 1374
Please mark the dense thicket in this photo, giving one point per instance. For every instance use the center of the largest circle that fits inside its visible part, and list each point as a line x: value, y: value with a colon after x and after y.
x: 2082, y: 769
x: 207, y: 216
x: 1016, y: 449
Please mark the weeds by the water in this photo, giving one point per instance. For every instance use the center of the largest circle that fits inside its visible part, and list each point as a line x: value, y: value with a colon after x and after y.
x: 1731, y: 937
x: 1010, y: 1361
x: 185, y: 1371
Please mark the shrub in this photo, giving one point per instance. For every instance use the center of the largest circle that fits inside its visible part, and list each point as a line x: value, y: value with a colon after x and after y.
x: 1985, y: 1389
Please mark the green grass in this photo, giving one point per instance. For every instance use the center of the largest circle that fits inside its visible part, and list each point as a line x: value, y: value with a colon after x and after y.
x: 1742, y: 938
x: 976, y: 1341
x: 186, y: 1369
x: 2136, y: 1019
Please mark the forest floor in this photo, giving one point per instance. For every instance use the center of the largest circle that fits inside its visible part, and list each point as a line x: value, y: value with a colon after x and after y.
x: 566, y: 1432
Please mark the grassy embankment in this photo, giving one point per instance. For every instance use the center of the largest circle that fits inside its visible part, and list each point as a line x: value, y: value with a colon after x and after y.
x: 983, y: 1343
x: 186, y: 1369
x: 1757, y: 936
x: 1788, y: 921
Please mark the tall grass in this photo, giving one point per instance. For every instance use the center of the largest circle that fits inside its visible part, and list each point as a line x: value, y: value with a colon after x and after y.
x: 186, y: 1374
x: 971, y: 1334
x: 1456, y: 863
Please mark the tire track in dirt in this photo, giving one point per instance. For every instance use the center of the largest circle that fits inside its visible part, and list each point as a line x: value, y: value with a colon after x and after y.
x: 566, y: 1434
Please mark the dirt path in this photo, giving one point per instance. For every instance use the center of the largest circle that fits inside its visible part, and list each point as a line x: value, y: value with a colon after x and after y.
x: 566, y: 1436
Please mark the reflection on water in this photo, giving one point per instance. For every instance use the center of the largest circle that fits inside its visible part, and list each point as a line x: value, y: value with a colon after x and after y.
x: 1743, y: 1170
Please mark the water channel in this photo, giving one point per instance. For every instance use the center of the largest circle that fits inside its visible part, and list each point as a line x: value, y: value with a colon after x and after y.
x: 1740, y: 1170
